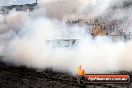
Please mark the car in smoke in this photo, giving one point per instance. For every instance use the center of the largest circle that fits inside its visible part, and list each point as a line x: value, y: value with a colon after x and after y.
x: 60, y: 43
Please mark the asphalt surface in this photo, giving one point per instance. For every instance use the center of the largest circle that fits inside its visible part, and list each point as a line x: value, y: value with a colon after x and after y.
x: 22, y: 77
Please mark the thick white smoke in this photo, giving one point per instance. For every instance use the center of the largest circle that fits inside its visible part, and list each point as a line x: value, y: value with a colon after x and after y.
x: 24, y: 38
x: 90, y: 8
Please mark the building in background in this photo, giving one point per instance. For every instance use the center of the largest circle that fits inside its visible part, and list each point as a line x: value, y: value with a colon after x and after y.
x: 26, y: 7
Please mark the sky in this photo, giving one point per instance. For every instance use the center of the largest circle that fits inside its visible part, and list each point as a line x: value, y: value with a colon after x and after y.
x: 12, y: 2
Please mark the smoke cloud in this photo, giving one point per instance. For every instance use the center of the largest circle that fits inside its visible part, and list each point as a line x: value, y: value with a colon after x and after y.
x: 24, y: 36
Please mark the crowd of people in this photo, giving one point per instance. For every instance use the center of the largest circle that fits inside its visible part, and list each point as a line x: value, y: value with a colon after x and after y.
x: 101, y: 27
